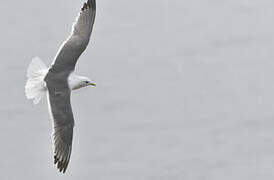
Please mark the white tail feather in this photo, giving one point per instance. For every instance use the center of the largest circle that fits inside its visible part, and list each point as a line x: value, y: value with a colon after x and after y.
x: 36, y: 87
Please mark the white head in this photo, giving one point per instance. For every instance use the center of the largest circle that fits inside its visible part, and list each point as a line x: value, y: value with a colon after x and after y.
x: 77, y: 82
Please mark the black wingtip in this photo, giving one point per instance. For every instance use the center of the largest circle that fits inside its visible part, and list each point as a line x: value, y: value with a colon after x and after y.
x: 55, y: 159
x: 61, y: 166
x: 89, y: 4
x: 85, y: 6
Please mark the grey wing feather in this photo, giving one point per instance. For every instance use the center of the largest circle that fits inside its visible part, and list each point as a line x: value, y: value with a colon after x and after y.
x: 78, y: 40
x: 63, y: 122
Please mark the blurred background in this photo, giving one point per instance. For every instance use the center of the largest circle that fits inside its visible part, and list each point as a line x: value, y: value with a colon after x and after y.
x: 184, y: 90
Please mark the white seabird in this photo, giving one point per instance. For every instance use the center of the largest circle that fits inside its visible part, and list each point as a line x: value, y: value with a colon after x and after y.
x: 58, y: 81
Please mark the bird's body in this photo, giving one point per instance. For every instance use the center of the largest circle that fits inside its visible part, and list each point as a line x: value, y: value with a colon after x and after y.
x: 59, y: 80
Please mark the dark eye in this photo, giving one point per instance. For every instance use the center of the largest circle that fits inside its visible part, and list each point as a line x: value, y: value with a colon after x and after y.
x: 86, y: 82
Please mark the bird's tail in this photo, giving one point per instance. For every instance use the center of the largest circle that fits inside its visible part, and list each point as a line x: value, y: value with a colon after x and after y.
x: 36, y: 87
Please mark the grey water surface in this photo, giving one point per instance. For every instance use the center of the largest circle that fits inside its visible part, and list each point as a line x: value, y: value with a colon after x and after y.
x: 184, y: 90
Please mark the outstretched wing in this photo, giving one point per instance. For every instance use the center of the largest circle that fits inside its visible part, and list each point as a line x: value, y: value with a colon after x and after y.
x: 58, y: 90
x: 77, y: 42
x: 63, y: 122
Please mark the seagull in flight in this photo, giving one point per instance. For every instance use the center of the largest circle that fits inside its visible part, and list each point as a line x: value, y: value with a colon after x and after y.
x: 58, y: 80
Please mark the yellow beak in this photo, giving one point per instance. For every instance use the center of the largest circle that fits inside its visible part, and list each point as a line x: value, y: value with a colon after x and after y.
x: 92, y: 84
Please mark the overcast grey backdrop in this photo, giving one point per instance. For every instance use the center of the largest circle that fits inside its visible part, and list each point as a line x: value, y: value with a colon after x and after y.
x: 185, y: 90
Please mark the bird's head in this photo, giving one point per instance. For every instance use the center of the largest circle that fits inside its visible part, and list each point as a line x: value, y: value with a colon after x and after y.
x: 87, y: 82
x: 76, y: 82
